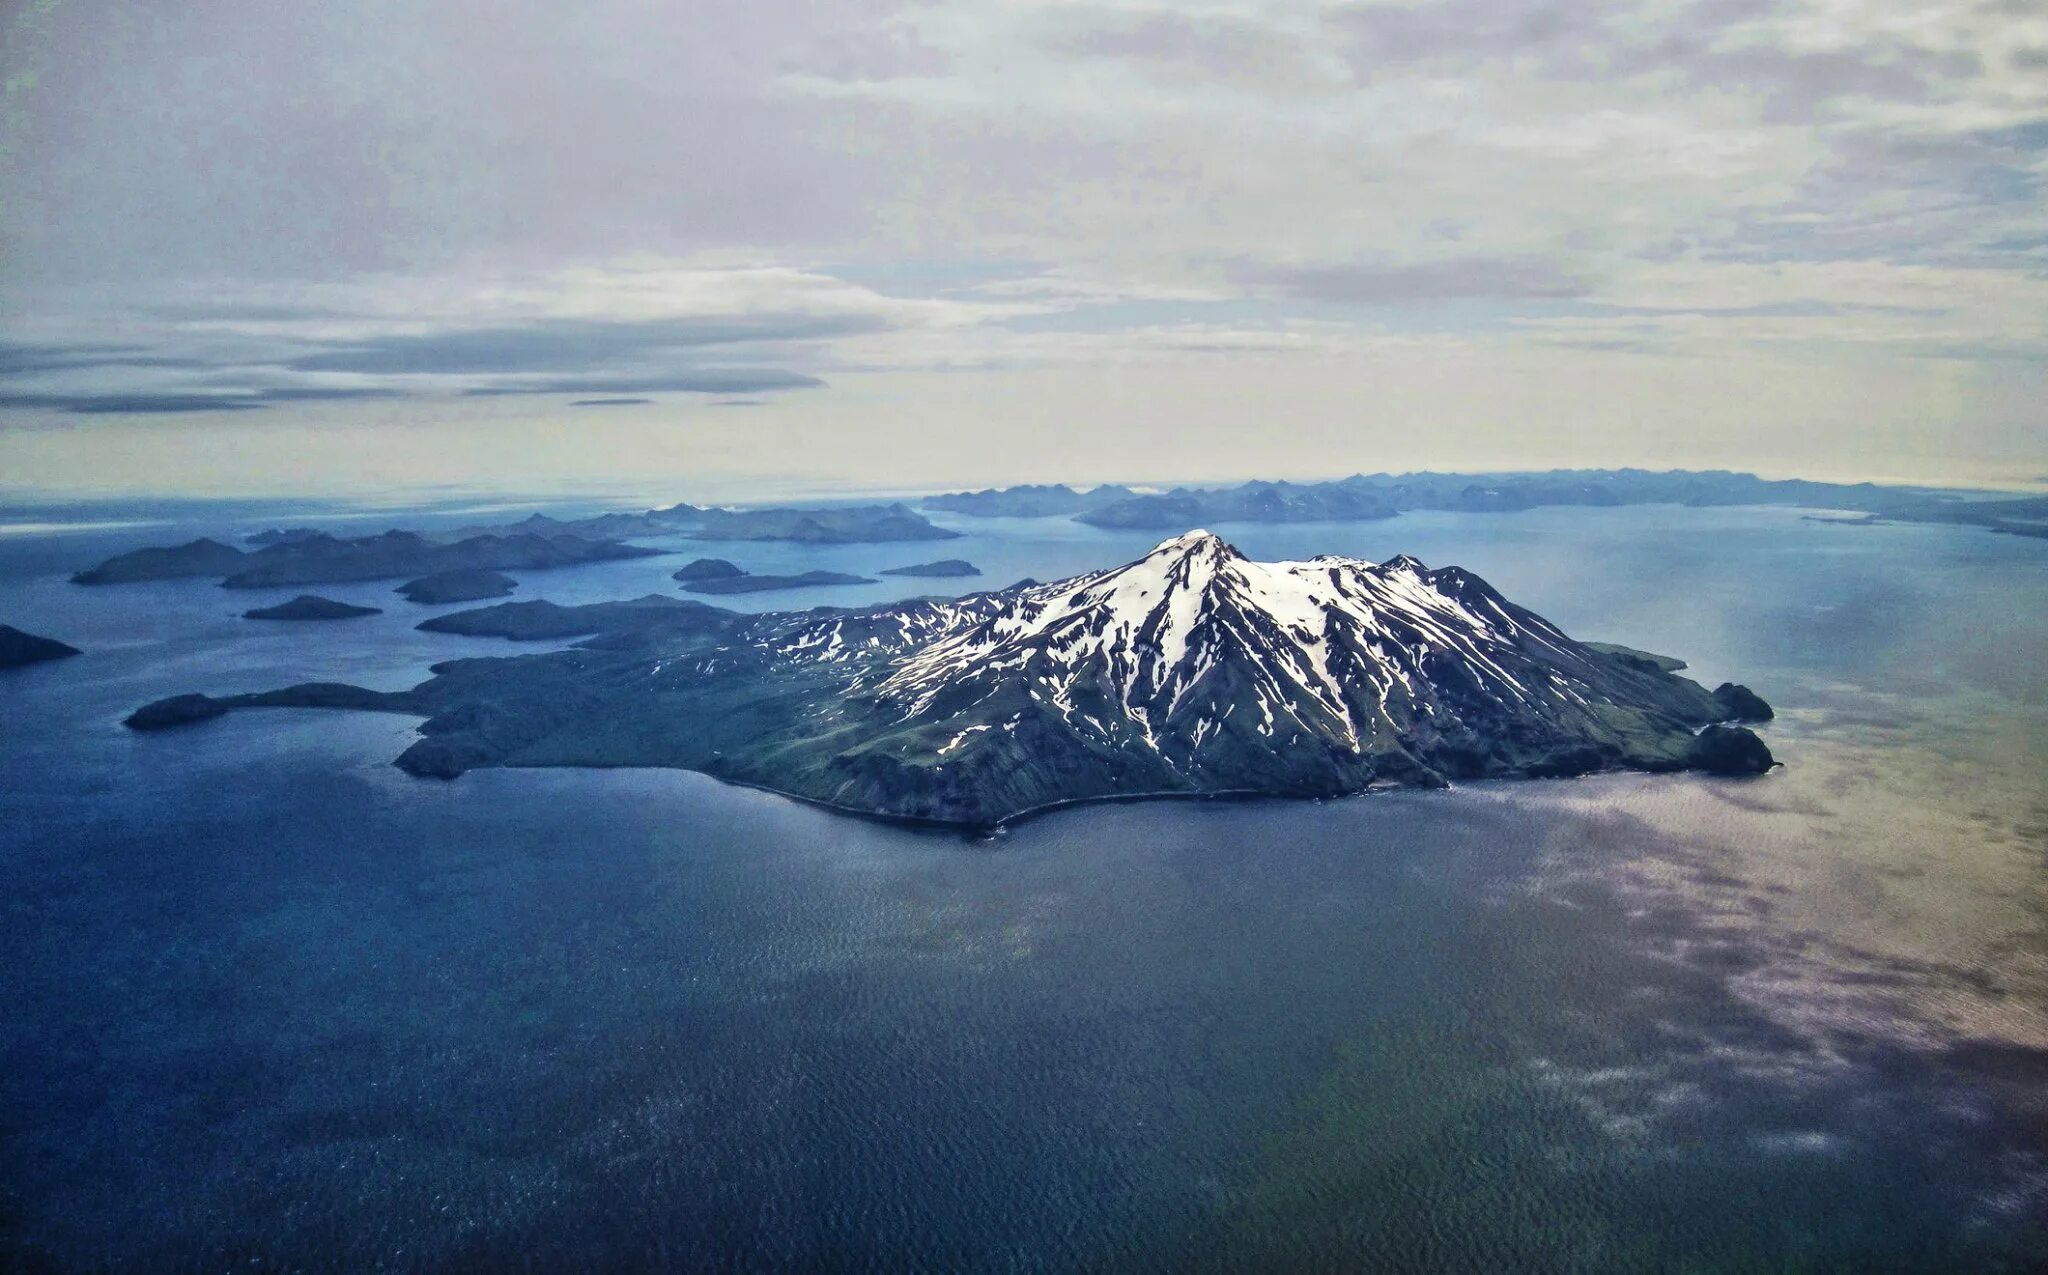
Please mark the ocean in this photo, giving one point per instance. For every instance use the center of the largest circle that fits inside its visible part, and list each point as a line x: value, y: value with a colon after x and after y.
x: 267, y: 1002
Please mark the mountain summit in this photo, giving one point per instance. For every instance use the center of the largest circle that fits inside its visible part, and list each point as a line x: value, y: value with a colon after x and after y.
x: 1202, y: 669
x: 1192, y: 670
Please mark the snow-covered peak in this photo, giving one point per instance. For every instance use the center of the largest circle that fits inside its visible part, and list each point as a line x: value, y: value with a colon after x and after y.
x: 1196, y: 541
x: 1326, y: 643
x: 1195, y: 665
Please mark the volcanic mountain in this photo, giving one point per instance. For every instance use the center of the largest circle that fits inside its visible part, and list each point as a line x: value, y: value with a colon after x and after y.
x: 1190, y: 671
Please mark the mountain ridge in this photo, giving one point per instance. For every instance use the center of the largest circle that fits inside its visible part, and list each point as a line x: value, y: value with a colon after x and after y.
x: 1365, y: 497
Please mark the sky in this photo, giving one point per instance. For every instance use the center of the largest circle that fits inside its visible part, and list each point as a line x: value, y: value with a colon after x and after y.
x: 728, y: 249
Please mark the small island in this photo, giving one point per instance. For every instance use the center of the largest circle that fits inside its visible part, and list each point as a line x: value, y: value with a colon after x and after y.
x: 944, y: 568
x: 175, y: 562
x: 745, y: 583
x: 707, y: 569
x: 456, y: 586
x: 308, y: 606
x: 541, y: 620
x: 301, y: 556
x: 19, y: 649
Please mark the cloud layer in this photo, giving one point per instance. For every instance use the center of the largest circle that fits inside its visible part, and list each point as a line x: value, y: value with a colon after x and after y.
x: 223, y: 206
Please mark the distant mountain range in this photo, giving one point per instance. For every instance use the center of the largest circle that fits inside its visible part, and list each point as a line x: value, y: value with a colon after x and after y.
x: 297, y: 558
x: 824, y: 525
x: 301, y: 555
x: 1030, y: 501
x: 1371, y: 496
x: 1190, y: 671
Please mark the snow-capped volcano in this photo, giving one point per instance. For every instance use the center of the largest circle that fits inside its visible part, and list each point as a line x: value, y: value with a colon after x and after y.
x: 1195, y: 644
x: 1191, y: 670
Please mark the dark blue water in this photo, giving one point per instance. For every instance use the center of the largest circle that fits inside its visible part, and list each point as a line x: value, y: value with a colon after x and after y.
x: 267, y: 1000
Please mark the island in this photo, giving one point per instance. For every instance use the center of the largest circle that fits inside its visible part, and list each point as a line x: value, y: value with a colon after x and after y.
x: 300, y: 557
x: 860, y: 524
x: 944, y: 568
x: 324, y: 559
x: 19, y: 649
x: 1192, y: 671
x: 173, y: 562
x: 541, y: 620
x: 461, y: 585
x: 707, y: 569
x: 308, y: 606
x: 545, y: 621
x: 745, y: 583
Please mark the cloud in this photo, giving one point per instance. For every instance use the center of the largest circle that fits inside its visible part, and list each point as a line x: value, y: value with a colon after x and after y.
x: 565, y: 345
x: 1796, y: 59
x: 140, y: 404
x: 637, y: 326
x: 17, y: 359
x: 236, y: 203
x: 1384, y: 37
x: 1215, y: 48
x: 702, y: 381
x: 1795, y: 309
x: 1456, y: 279
x: 325, y: 393
x: 610, y: 402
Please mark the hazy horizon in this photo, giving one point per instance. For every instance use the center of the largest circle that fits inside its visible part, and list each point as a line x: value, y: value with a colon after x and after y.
x: 758, y: 490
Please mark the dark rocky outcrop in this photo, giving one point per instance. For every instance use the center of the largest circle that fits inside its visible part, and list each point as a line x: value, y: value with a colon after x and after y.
x: 1630, y: 655
x: 178, y: 710
x: 193, y: 559
x: 456, y: 586
x: 1730, y: 750
x: 324, y: 559
x: 18, y: 648
x: 769, y: 583
x: 309, y: 607
x: 708, y: 569
x: 944, y: 568
x: 184, y: 710
x: 301, y: 557
x: 540, y: 620
x: 1740, y: 704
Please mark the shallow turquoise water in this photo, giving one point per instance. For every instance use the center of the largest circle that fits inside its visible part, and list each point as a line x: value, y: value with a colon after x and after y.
x: 269, y: 999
